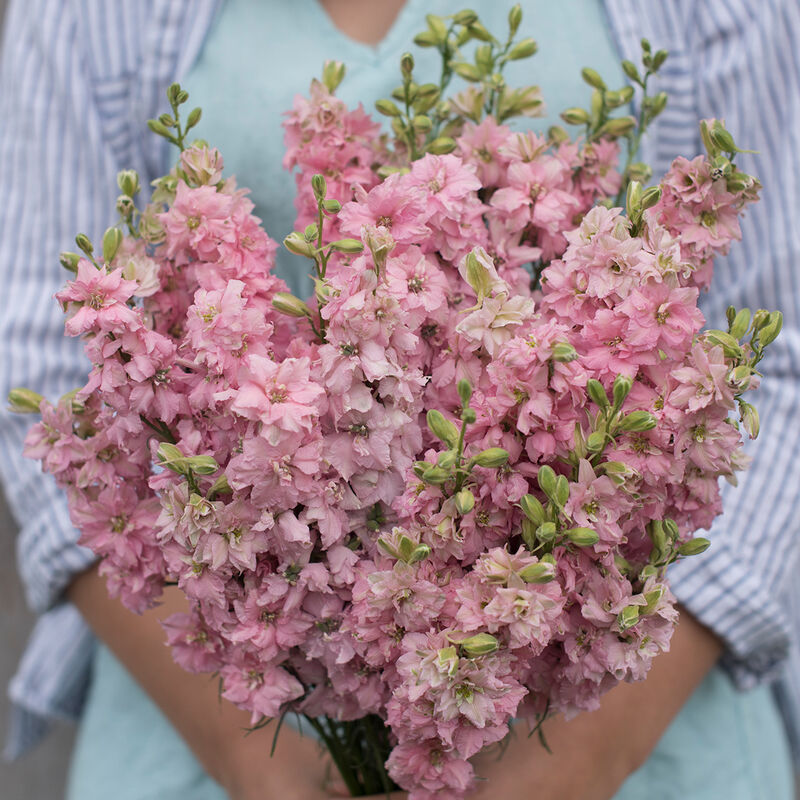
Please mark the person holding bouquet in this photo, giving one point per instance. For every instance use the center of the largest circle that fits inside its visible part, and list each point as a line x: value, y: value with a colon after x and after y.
x: 75, y: 85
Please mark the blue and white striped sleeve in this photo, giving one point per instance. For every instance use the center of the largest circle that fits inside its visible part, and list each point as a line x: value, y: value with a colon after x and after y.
x: 56, y: 178
x: 747, y: 69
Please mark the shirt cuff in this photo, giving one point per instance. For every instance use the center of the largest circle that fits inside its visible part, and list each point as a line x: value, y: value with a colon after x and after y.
x: 723, y: 591
x: 52, y: 679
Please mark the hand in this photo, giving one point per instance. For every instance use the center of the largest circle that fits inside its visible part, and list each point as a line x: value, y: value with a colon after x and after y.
x: 213, y: 729
x: 594, y: 753
x: 296, y: 771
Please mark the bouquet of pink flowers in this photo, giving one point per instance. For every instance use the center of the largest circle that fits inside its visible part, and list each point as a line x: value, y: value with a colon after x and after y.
x: 442, y: 493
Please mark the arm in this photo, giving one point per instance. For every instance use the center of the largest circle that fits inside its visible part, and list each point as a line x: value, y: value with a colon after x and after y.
x: 213, y: 729
x: 58, y: 160
x: 594, y: 753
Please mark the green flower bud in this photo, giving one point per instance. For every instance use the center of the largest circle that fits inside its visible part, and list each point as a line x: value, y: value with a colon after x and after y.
x: 582, y: 537
x: 387, y: 108
x: 69, y: 261
x: 760, y: 319
x: 633, y: 199
x: 562, y: 490
x: 84, y: 244
x: 556, y: 134
x: 310, y: 232
x: 407, y: 64
x: 628, y: 617
x: 670, y: 528
x: 532, y: 508
x: 694, y: 546
x: 481, y: 644
x: 464, y: 388
x: 332, y: 206
x: 465, y: 17
x: 629, y: 68
x: 478, y: 276
x: 596, y: 441
x: 546, y: 532
x: 469, y: 72
x: 193, y: 118
x: 469, y: 416
x: 441, y: 146
x: 621, y: 389
x: 422, y: 123
x: 597, y: 393
x: 523, y: 49
x: 319, y: 186
x: 128, y: 182
x: 723, y: 139
x: 419, y: 553
x: 442, y: 428
x: 492, y: 457
x: 479, y: 32
x: 592, y: 77
x: 447, y: 459
x: 421, y: 467
x: 637, y: 422
x: 405, y: 547
x: 347, y: 246
x: 24, y: 401
x: 749, y: 417
x: 437, y: 26
x: 619, y: 126
x: 563, y: 352
x: 290, y: 305
x: 538, y: 573
x: 740, y: 324
x: 648, y: 571
x: 465, y: 501
x: 651, y: 197
x: 112, y: 239
x: 435, y: 476
x: 529, y: 533
x: 425, y: 39
x: 770, y: 331
x: 172, y: 458
x: 296, y: 243
x: 652, y: 599
x: 728, y: 343
x: 547, y: 480
x: 659, y: 538
x: 333, y: 74
x: 575, y: 116
x: 626, y: 94
x: 514, y: 20
x: 659, y: 104
x: 618, y: 471
x: 658, y: 59
x: 202, y: 465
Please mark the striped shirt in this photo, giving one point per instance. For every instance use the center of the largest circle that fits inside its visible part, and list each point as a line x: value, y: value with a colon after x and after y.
x: 78, y: 80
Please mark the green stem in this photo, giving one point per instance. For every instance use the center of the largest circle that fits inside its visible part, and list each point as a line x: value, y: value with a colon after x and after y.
x: 339, y: 758
x: 634, y: 142
x: 379, y: 758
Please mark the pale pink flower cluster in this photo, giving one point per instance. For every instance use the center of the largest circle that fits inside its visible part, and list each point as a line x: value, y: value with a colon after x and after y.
x: 298, y: 454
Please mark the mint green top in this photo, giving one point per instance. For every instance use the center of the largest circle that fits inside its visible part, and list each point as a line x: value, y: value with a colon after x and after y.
x: 261, y: 53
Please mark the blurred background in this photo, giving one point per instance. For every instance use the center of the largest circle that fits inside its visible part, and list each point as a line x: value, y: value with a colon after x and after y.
x: 39, y: 775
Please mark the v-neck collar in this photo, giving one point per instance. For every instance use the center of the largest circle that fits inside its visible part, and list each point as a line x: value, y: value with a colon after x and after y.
x: 409, y: 14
